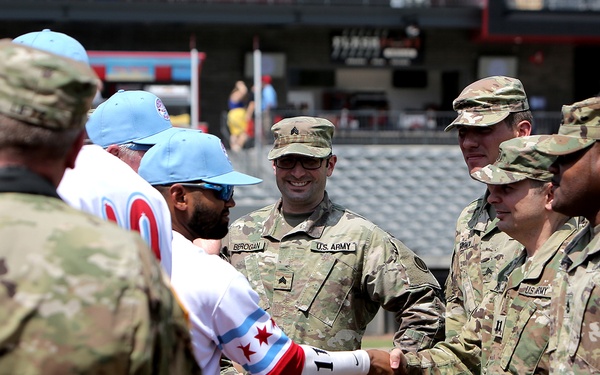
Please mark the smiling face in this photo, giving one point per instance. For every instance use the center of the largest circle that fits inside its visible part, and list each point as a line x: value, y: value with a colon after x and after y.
x: 520, y: 207
x: 303, y: 189
x: 576, y: 183
x: 479, y: 144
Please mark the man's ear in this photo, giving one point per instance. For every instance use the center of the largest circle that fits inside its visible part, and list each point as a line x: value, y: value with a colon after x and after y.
x: 524, y: 128
x: 178, y: 197
x: 549, y: 196
x: 114, y: 150
x: 74, y: 151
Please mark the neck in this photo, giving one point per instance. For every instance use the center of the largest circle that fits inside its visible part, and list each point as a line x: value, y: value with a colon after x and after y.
x: 533, y: 239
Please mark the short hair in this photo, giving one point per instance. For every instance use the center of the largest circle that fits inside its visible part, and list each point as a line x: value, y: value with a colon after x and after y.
x: 514, y: 118
x: 35, y: 142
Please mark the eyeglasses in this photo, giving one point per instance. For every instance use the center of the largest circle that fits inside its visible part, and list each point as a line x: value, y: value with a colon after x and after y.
x: 137, y: 147
x: 307, y: 163
x: 225, y: 191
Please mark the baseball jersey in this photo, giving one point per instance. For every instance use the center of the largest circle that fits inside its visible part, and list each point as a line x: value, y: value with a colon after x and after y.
x: 508, y: 333
x: 575, y: 328
x: 324, y: 280
x: 481, y: 250
x: 79, y: 295
x: 104, y: 186
x: 226, y: 319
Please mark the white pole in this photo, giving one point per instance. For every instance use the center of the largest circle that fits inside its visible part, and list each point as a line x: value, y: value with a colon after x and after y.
x: 195, y: 101
x: 258, y: 126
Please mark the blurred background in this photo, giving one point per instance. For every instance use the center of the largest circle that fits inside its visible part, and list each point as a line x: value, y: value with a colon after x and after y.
x: 385, y: 72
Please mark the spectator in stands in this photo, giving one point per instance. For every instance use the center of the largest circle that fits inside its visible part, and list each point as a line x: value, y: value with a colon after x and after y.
x: 192, y: 171
x: 78, y: 295
x: 509, y: 332
x: 268, y: 102
x: 490, y: 111
x: 238, y: 116
x: 575, y: 312
x: 321, y: 270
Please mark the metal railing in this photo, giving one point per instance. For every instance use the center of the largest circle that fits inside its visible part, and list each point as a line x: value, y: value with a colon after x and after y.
x: 393, y: 127
x: 368, y: 3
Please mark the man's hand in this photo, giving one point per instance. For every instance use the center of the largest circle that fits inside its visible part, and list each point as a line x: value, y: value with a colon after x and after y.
x: 380, y: 362
x: 398, y: 361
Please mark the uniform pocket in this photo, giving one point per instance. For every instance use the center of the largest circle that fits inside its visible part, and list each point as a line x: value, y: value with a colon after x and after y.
x: 526, y: 341
x: 584, y: 339
x: 327, y: 289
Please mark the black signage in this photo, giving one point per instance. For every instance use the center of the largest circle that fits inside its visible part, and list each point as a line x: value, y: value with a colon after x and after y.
x: 378, y: 47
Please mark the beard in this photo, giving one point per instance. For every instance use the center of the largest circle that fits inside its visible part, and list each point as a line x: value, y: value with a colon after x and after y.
x: 208, y: 224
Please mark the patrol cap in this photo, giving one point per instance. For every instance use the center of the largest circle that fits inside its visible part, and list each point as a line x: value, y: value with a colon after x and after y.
x: 133, y: 116
x: 44, y: 89
x: 518, y: 160
x: 55, y: 42
x: 580, y: 128
x: 188, y: 155
x: 303, y: 135
x: 488, y: 101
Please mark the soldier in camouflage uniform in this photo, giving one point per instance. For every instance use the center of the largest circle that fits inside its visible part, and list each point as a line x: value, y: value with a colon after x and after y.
x: 490, y: 111
x: 321, y: 270
x: 509, y: 331
x: 78, y: 295
x: 575, y: 325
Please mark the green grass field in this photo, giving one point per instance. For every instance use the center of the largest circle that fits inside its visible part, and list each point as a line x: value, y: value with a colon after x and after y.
x: 377, y: 342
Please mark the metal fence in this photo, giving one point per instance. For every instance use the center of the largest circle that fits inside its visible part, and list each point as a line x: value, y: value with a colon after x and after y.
x: 368, y: 3
x: 393, y: 127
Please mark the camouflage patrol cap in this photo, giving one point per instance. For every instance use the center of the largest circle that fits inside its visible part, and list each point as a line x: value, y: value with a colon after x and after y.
x: 303, y: 135
x: 518, y: 159
x: 44, y: 89
x: 488, y: 101
x: 580, y: 128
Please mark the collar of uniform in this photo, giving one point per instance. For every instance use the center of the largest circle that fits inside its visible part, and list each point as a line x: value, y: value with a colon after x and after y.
x: 481, y: 215
x: 534, y: 267
x: 586, y: 244
x: 276, y: 227
x: 22, y: 180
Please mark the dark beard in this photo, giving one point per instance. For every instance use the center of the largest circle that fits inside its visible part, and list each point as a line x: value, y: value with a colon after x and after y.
x: 207, y: 224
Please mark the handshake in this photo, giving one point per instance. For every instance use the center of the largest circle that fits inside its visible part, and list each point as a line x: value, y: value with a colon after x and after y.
x: 384, y: 363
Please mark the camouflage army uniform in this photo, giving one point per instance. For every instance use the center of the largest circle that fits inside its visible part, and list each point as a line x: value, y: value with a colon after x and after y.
x: 481, y: 250
x: 324, y: 280
x: 575, y: 327
x: 509, y: 331
x: 79, y: 295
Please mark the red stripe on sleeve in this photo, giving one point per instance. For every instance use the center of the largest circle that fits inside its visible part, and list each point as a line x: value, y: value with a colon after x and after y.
x: 291, y: 363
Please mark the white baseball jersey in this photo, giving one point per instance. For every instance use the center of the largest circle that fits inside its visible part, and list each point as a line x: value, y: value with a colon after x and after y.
x: 225, y: 318
x: 104, y: 186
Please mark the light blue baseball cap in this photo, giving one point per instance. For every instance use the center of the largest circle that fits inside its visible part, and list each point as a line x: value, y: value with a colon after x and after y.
x: 55, y: 42
x: 133, y: 116
x: 190, y: 155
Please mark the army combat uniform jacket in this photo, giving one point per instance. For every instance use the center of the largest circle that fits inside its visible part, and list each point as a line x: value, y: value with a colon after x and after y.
x: 575, y: 329
x: 509, y: 332
x: 79, y: 295
x: 481, y: 250
x: 324, y: 280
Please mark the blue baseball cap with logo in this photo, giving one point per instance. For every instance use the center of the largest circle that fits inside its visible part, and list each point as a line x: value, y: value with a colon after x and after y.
x: 189, y: 155
x: 55, y: 42
x: 133, y: 116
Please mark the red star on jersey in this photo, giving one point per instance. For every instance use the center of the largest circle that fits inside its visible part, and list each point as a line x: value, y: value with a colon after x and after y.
x: 247, y: 351
x: 273, y: 323
x: 263, y: 336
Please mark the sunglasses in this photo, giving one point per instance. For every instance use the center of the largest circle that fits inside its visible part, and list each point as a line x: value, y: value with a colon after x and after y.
x: 225, y: 191
x: 310, y: 164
